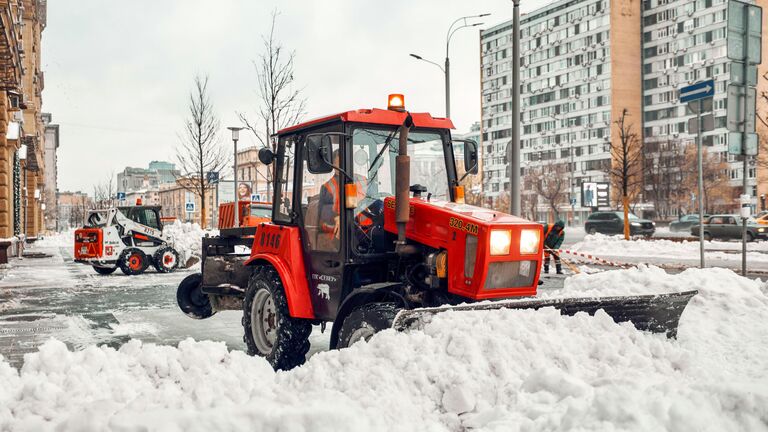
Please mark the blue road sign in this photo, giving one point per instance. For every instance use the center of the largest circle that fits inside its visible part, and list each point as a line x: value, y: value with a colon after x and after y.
x: 189, y: 207
x: 212, y: 177
x: 121, y: 196
x: 702, y: 90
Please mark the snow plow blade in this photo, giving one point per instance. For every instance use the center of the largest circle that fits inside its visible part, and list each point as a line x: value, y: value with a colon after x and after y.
x: 658, y: 313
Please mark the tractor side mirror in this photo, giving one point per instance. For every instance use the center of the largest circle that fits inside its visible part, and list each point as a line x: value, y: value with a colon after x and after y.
x: 319, y: 151
x: 470, y: 156
x: 266, y: 156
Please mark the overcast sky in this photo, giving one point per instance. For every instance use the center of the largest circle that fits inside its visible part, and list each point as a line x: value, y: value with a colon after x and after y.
x: 117, y: 73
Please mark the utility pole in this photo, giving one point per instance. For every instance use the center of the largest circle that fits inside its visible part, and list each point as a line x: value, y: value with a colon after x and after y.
x: 513, y: 148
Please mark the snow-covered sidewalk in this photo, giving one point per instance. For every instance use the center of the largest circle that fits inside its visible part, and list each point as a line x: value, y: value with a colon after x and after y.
x: 672, y: 252
x: 484, y: 370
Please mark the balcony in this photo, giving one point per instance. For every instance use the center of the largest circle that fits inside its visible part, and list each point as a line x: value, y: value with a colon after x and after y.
x: 10, y: 60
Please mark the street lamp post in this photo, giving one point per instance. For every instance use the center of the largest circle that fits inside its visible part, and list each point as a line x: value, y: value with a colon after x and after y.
x: 447, y: 67
x: 235, y: 136
x: 513, y: 148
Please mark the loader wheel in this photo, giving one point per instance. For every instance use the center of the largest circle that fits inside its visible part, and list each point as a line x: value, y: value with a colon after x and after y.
x: 191, y: 298
x: 165, y: 260
x: 270, y: 331
x: 104, y: 270
x: 365, y: 321
x: 133, y: 261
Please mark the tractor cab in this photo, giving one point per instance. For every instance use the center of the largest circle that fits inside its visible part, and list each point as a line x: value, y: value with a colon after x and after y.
x: 335, y: 179
x: 145, y: 215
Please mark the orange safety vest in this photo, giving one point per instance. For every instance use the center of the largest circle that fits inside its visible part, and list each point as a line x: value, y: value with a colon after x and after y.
x: 332, y: 186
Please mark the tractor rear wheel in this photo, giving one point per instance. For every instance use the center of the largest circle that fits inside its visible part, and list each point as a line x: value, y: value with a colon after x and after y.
x: 133, y: 261
x: 270, y: 331
x: 104, y: 270
x: 165, y: 260
x: 191, y: 298
x: 365, y: 321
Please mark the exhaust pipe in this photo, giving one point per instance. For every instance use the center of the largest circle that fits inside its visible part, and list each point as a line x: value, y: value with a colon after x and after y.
x: 402, y: 187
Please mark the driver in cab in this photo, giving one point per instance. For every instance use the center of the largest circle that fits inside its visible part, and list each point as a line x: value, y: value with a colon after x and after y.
x: 330, y: 203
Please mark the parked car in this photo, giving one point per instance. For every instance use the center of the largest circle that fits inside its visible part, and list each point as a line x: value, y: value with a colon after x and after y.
x: 613, y: 223
x: 728, y: 227
x: 685, y: 222
x: 762, y: 218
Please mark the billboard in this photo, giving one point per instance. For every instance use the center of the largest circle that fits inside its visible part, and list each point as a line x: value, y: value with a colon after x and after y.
x: 595, y: 194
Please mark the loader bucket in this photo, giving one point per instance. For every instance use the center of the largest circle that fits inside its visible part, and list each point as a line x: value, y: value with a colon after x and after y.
x: 659, y: 313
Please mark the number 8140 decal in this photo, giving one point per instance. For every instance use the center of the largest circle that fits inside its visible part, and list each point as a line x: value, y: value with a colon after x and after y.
x: 463, y: 226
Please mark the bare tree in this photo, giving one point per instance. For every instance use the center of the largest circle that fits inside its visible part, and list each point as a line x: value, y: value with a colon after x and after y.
x: 529, y: 202
x: 280, y: 104
x: 719, y: 195
x: 663, y: 173
x: 626, y: 170
x: 104, y: 192
x: 198, y: 151
x: 550, y: 181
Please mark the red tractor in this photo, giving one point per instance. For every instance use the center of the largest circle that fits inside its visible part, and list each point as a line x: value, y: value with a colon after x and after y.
x: 370, y: 231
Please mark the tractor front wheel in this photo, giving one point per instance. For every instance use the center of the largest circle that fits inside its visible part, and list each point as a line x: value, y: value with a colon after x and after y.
x: 270, y: 331
x: 165, y: 260
x: 104, y: 270
x: 365, y: 321
x: 191, y: 298
x: 133, y: 261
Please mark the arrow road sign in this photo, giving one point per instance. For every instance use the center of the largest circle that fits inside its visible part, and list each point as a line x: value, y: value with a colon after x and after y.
x: 702, y: 90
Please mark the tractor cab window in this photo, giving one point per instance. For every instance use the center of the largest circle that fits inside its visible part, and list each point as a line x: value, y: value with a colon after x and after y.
x: 149, y: 218
x: 321, y: 204
x: 284, y: 179
x: 373, y: 153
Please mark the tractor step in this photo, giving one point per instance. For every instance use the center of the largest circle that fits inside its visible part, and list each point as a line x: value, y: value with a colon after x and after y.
x: 658, y: 313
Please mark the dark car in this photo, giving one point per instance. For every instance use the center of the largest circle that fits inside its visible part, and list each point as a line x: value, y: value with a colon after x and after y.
x: 728, y: 227
x: 613, y: 223
x: 684, y: 223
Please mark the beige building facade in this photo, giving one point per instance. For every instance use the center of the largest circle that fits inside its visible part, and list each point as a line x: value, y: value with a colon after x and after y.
x: 22, y: 133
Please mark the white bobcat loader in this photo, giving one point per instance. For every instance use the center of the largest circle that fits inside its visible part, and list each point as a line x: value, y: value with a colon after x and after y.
x: 130, y: 238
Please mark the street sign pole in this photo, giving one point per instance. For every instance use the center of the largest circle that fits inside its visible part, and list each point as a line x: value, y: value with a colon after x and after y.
x: 701, y: 185
x: 745, y: 165
x: 695, y: 95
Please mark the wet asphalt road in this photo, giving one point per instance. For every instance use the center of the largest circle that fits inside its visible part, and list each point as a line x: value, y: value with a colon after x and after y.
x: 52, y: 296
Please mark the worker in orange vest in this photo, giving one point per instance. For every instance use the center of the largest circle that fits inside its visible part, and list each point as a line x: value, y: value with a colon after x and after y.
x: 331, y: 194
x: 553, y: 238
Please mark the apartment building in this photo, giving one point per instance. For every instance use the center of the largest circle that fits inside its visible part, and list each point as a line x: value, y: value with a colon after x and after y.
x: 583, y: 62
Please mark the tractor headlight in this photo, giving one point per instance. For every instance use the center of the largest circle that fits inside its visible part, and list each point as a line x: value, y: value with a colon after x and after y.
x: 500, y: 242
x: 529, y: 241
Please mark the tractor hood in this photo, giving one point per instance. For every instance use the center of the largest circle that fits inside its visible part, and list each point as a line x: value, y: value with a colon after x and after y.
x: 464, y: 231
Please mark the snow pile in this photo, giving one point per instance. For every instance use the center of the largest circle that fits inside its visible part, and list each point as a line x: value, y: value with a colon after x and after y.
x: 615, y: 246
x: 482, y: 370
x: 187, y: 238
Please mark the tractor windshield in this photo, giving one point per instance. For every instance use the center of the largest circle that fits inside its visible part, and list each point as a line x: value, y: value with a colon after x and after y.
x: 374, y: 152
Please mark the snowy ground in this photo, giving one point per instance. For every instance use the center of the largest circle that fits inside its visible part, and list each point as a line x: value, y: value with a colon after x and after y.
x: 668, y: 252
x: 492, y: 370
